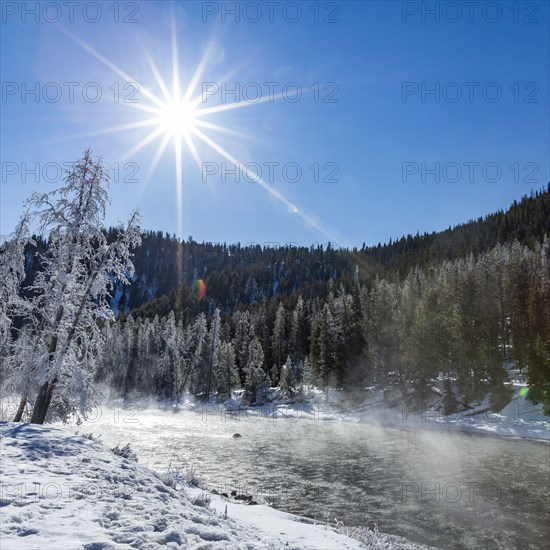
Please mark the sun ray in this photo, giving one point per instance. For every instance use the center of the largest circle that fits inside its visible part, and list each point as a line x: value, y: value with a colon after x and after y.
x: 271, y: 190
x: 141, y: 144
x: 199, y: 99
x: 193, y: 149
x: 158, y: 77
x: 112, y: 66
x: 141, y: 107
x: 179, y: 184
x: 197, y: 75
x: 239, y: 104
x: 175, y: 60
x: 226, y: 77
x: 154, y: 163
x: 113, y: 129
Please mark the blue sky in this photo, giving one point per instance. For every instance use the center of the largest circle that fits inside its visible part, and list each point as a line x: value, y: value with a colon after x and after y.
x: 375, y: 149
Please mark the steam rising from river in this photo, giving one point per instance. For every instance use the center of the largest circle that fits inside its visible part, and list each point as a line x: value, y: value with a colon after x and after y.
x: 450, y: 490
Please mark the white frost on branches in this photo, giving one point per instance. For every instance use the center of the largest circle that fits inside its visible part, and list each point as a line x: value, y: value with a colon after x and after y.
x: 69, y: 298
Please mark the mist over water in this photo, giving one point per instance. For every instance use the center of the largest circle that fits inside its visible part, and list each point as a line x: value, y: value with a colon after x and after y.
x: 447, y: 490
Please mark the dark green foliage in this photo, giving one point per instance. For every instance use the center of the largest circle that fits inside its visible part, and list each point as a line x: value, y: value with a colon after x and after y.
x: 538, y: 375
x: 454, y: 305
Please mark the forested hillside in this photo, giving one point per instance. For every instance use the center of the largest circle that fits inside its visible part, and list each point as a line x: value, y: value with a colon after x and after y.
x: 453, y: 306
x: 241, y: 273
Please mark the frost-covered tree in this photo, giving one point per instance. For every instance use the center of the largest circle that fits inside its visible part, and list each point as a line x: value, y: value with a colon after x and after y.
x: 278, y: 343
x: 307, y: 375
x: 299, y: 332
x: 227, y: 376
x: 168, y: 381
x: 12, y: 273
x: 112, y: 368
x: 255, y: 386
x: 244, y: 332
x: 323, y: 346
x: 70, y: 295
x: 199, y: 361
x: 287, y: 383
x: 213, y: 350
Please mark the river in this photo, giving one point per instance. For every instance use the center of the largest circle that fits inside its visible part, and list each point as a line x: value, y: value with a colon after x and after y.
x: 448, y: 490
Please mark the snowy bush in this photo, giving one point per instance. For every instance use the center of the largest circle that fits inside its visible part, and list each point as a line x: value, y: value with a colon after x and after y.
x: 176, y: 478
x: 192, y: 477
x: 202, y: 500
x: 372, y: 538
x: 125, y: 452
x: 91, y: 437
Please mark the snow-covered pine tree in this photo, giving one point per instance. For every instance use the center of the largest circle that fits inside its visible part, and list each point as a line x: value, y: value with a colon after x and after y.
x: 168, y: 371
x: 307, y: 376
x: 323, y: 346
x: 12, y: 273
x: 299, y: 332
x: 227, y: 376
x: 287, y: 383
x: 244, y: 332
x: 278, y: 344
x: 255, y: 385
x: 131, y: 355
x: 71, y: 294
x: 213, y: 349
x: 199, y: 361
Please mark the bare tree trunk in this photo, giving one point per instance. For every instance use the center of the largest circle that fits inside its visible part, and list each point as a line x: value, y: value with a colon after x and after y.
x: 20, y: 410
x: 42, y: 403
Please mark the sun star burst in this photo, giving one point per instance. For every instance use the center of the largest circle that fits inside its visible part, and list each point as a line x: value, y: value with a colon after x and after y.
x: 178, y: 118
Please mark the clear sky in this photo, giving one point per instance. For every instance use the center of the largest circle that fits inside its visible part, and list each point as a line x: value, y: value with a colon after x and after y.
x: 371, y: 101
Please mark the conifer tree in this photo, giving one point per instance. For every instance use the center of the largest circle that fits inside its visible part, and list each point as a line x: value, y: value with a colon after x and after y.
x: 255, y: 386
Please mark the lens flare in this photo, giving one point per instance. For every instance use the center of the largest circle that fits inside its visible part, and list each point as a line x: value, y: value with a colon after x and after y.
x: 523, y: 392
x: 200, y: 289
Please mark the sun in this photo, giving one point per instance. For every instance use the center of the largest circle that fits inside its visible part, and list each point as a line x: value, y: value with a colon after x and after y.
x: 177, y: 118
x: 177, y: 115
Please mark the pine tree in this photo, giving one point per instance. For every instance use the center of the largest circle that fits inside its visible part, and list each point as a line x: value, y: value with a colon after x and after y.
x: 244, y: 333
x: 299, y: 332
x: 200, y: 363
x: 168, y: 382
x: 538, y: 374
x: 12, y: 274
x: 213, y: 344
x: 287, y: 384
x: 278, y: 344
x: 255, y: 385
x: 227, y: 377
x: 323, y: 348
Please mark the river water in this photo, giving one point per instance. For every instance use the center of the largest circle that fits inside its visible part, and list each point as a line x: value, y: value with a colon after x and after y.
x: 448, y: 490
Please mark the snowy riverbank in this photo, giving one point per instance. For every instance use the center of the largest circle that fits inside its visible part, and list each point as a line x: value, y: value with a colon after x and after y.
x: 64, y: 491
x: 519, y: 418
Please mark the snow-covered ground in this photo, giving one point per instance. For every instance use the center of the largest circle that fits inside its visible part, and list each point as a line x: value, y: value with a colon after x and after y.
x: 519, y: 418
x: 62, y: 491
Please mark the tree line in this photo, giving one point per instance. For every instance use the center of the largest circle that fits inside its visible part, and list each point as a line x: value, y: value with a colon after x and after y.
x: 456, y: 324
